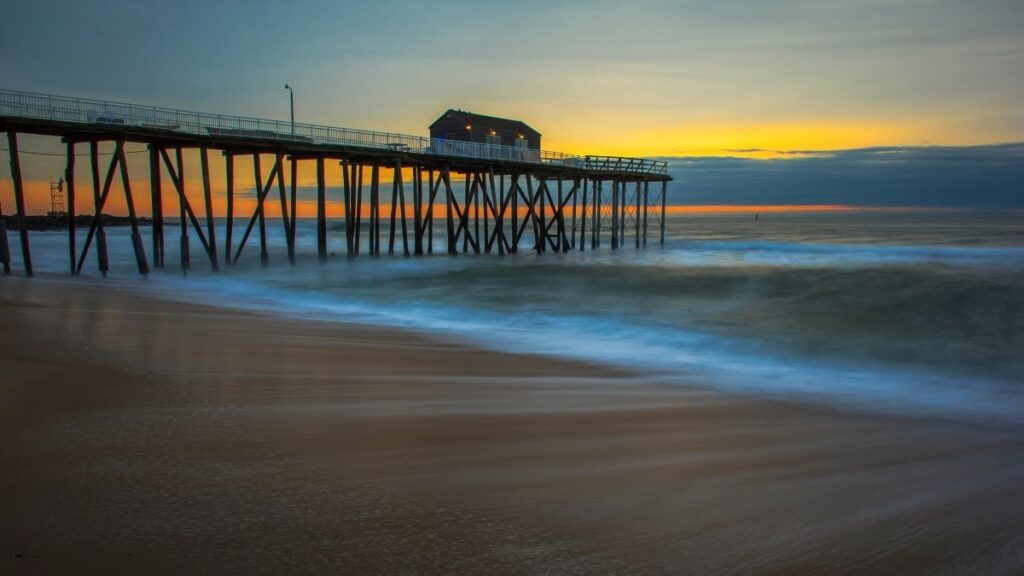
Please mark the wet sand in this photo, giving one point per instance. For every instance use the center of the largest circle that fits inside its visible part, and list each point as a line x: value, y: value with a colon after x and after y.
x: 142, y: 436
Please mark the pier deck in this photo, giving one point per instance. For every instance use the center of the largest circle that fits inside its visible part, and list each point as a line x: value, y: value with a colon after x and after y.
x: 555, y: 201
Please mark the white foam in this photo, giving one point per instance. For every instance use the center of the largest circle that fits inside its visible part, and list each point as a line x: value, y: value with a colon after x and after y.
x: 614, y: 336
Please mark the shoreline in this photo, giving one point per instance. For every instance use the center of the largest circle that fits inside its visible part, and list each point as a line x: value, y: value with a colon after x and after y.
x: 798, y: 400
x: 190, y: 438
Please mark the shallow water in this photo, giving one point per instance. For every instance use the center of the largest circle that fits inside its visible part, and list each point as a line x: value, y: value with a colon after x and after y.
x: 898, y: 313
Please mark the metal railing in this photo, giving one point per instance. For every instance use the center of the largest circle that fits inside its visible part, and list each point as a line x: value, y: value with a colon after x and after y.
x: 29, y: 105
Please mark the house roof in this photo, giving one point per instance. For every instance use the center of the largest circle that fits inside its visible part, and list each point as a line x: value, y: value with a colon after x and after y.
x: 489, y: 121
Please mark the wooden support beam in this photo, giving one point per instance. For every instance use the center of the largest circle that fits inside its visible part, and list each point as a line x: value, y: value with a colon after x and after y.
x: 449, y: 201
x: 663, y: 195
x: 435, y: 187
x: 560, y: 219
x: 140, y: 249
x: 538, y: 241
x: 285, y: 219
x: 472, y: 203
x: 646, y: 209
x: 5, y: 247
x: 622, y: 214
x: 211, y: 228
x: 189, y: 215
x: 499, y: 224
x: 463, y: 226
x: 346, y: 180
x: 636, y: 219
x: 186, y: 213
x: 513, y: 191
x: 229, y: 225
x: 347, y: 175
x: 616, y: 190
x: 156, y: 206
x: 498, y: 234
x: 505, y: 211
x: 575, y: 191
x: 430, y: 213
x: 357, y: 206
x: 394, y: 207
x: 97, y: 228
x: 373, y: 237
x: 479, y: 187
x: 463, y: 215
x: 69, y: 181
x: 528, y: 218
x: 375, y: 210
x: 294, y: 200
x: 99, y: 200
x: 556, y: 222
x: 567, y: 240
x: 261, y: 193
x: 417, y: 210
x: 615, y: 214
x: 182, y: 212
x: 583, y: 219
x: 488, y: 207
x: 260, y: 210
x: 542, y: 192
x: 401, y: 202
x: 501, y: 200
x: 19, y: 200
x: 321, y: 210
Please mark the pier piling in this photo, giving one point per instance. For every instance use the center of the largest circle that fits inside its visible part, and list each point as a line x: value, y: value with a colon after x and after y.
x: 69, y: 182
x: 5, y: 248
x: 321, y: 210
x: 19, y: 201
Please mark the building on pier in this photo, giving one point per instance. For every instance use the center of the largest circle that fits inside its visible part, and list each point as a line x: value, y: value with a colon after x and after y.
x: 469, y: 127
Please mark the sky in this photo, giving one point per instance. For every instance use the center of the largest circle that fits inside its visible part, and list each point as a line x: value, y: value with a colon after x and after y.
x: 727, y: 90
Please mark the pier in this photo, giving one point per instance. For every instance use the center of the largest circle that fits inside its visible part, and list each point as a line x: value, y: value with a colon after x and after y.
x: 481, y: 198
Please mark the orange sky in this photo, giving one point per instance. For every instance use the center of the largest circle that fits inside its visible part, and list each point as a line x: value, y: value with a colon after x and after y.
x: 42, y: 158
x: 37, y: 196
x: 36, y: 167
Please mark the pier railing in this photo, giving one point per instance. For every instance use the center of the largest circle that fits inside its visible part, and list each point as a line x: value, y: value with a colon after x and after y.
x: 29, y: 105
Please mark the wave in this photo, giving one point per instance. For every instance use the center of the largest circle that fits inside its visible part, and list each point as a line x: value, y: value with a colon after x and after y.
x: 665, y: 353
x: 883, y: 327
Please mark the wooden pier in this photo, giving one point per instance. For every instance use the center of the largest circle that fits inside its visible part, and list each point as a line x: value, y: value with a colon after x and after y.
x: 489, y: 198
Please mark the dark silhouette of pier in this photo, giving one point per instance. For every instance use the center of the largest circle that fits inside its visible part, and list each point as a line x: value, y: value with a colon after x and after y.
x: 557, y: 202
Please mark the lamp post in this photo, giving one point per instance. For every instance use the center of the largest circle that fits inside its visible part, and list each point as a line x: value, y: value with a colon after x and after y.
x: 291, y: 99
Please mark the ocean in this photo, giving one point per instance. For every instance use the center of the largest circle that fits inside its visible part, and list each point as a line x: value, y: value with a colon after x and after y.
x: 909, y: 313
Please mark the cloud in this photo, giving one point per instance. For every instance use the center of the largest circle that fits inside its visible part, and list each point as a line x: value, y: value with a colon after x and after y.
x: 982, y: 177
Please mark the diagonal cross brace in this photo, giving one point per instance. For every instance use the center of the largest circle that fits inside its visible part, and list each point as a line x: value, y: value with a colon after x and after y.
x: 259, y: 202
x: 180, y: 186
x: 98, y: 216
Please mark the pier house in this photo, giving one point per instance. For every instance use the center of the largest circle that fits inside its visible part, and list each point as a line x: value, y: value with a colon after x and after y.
x: 470, y: 127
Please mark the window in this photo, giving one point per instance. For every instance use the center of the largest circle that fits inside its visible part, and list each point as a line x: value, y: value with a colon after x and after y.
x: 493, y: 138
x: 521, y: 142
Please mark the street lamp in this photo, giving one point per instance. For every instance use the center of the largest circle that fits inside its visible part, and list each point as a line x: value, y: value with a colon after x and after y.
x: 291, y: 98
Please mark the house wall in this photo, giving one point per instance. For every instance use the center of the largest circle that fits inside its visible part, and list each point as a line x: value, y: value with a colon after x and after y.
x: 455, y: 129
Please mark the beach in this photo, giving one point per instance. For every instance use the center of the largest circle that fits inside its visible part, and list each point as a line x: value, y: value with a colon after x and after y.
x: 147, y: 436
